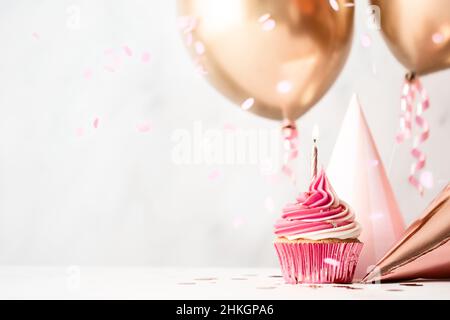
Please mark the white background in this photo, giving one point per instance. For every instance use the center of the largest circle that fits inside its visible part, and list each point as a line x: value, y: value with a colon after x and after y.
x: 74, y: 194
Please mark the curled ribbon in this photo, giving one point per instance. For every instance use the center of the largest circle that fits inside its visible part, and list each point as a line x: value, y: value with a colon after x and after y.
x: 290, y: 142
x: 414, y: 102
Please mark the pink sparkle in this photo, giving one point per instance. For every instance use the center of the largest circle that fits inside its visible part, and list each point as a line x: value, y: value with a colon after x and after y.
x: 79, y: 132
x: 95, y: 123
x: 127, y: 51
x: 247, y: 104
x: 238, y: 222
x: 36, y: 35
x: 438, y: 38
x: 366, y: 40
x: 87, y: 74
x: 334, y: 5
x: 199, y: 48
x: 144, y: 127
x: 268, y: 25
x: 145, y: 57
x: 214, y: 175
x: 229, y: 127
x: 426, y: 179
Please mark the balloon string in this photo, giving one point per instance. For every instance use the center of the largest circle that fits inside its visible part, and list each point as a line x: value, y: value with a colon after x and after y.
x: 414, y: 95
x: 290, y: 142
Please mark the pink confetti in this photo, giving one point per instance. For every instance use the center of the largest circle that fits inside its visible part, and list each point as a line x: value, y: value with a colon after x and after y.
x: 36, y: 35
x: 95, y: 123
x: 426, y: 179
x: 284, y: 86
x: 145, y: 57
x: 247, y: 104
x: 79, y: 132
x: 144, y: 127
x: 214, y: 175
x: 268, y: 25
x: 87, y: 74
x: 366, y: 40
x: 438, y: 38
x: 238, y: 222
x: 127, y: 51
x: 229, y: 127
x: 331, y: 261
x: 334, y: 5
x: 199, y: 48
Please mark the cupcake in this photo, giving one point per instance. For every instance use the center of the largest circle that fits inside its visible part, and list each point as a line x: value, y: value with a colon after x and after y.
x: 317, y: 237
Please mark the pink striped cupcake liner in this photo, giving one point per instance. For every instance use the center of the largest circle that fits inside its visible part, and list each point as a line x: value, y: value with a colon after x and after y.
x: 323, y: 262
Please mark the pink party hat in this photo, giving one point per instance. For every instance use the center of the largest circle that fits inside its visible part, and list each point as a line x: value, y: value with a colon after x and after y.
x: 359, y: 177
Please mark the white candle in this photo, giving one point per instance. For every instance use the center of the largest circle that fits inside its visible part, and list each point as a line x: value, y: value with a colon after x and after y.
x: 314, y: 155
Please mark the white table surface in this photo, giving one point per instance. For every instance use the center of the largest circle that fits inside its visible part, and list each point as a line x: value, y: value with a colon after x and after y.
x: 76, y: 282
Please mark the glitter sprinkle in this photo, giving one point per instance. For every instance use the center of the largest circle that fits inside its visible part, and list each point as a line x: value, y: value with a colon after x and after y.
x: 284, y: 86
x: 438, y: 38
x: 95, y: 123
x: 143, y: 127
x: 366, y: 40
x: 127, y: 51
x: 87, y: 74
x: 199, y: 48
x: 426, y: 179
x: 145, y: 57
x: 247, y: 104
x: 331, y: 261
x: 334, y: 5
x: 79, y: 132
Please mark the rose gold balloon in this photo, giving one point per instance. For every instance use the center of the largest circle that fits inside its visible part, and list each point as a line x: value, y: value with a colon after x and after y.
x: 275, y: 58
x: 424, y: 250
x: 417, y: 32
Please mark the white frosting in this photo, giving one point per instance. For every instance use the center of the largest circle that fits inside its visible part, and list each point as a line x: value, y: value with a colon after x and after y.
x: 350, y: 231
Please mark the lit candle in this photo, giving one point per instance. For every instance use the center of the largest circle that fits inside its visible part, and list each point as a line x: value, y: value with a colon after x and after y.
x: 315, y: 137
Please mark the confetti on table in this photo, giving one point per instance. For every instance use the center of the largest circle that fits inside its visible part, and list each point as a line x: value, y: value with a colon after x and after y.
x: 366, y: 40
x: 284, y: 86
x: 215, y: 174
x: 127, y: 51
x: 238, y: 222
x: 334, y: 5
x: 79, y: 132
x: 205, y: 279
x: 348, y: 287
x: 145, y: 58
x: 87, y: 74
x: 426, y: 179
x: 394, y: 290
x: 143, y: 127
x: 95, y: 123
x: 247, y: 104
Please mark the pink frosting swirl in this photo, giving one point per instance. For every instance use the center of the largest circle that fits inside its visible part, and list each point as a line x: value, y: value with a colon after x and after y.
x: 318, y: 214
